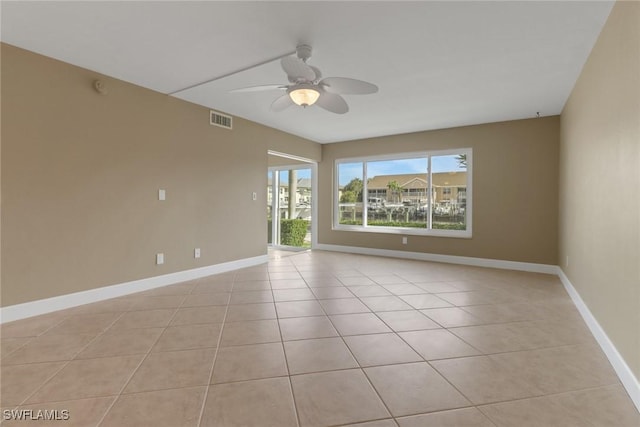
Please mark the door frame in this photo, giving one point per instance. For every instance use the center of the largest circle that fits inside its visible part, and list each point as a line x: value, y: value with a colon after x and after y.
x: 308, y: 164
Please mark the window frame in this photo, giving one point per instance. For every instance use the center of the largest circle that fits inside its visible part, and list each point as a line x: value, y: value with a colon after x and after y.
x: 428, y: 231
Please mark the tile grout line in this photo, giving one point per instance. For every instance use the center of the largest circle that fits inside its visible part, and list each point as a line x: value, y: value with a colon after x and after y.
x: 284, y: 352
x: 31, y: 337
x: 340, y: 335
x: 541, y: 396
x: 418, y: 353
x: 360, y: 368
x: 66, y: 362
x: 447, y: 329
x: 126, y: 383
x: 13, y: 351
x: 482, y: 353
x: 430, y: 365
x: 427, y: 361
x: 122, y: 313
x: 215, y: 354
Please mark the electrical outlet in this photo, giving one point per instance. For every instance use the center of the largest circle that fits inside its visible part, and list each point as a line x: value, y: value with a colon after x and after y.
x: 196, y: 253
x: 159, y: 259
x: 162, y: 194
x: 405, y: 240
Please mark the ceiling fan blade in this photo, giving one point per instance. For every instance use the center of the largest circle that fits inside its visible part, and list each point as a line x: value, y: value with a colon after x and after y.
x: 317, y: 71
x: 332, y: 102
x: 296, y: 69
x: 281, y: 103
x: 346, y: 86
x: 258, y: 88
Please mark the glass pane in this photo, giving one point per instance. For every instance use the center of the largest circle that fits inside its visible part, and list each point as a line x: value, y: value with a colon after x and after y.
x: 397, y: 193
x: 270, y: 207
x: 350, y: 189
x: 295, y: 207
x: 303, y: 203
x: 449, y: 176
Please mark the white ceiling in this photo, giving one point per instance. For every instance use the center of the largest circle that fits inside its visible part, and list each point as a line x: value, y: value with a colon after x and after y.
x: 437, y: 64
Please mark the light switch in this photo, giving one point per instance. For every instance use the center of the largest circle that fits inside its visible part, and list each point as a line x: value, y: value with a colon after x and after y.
x: 159, y: 259
x: 404, y: 240
x: 196, y: 253
x: 254, y: 196
x: 161, y: 194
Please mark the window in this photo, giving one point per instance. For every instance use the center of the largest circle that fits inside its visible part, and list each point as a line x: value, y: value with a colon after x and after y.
x: 350, y: 190
x: 415, y: 193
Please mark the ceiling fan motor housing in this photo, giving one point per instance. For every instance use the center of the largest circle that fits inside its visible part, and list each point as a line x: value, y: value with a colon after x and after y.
x: 304, y: 52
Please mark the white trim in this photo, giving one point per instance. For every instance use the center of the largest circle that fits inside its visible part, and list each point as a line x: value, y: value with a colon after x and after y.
x: 43, y: 306
x: 469, y: 191
x: 289, y: 167
x: 314, y: 205
x: 407, y: 231
x: 449, y: 259
x: 629, y: 381
x: 313, y: 166
x: 624, y: 372
x: 275, y: 207
x: 401, y: 156
x: 291, y: 156
x: 365, y: 198
x: 428, y: 231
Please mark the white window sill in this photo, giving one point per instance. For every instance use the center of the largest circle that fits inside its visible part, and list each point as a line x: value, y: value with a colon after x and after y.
x: 408, y: 231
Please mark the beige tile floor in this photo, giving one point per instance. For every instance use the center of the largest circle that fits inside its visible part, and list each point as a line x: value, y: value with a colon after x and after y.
x: 320, y: 339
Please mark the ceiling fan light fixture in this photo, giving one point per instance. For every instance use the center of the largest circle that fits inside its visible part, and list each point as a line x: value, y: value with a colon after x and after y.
x: 304, y: 94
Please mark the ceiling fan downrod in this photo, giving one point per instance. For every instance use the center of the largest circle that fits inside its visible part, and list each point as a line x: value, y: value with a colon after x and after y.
x: 304, y: 52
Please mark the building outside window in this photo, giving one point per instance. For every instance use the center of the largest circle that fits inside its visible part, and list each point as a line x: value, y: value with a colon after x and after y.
x: 413, y: 193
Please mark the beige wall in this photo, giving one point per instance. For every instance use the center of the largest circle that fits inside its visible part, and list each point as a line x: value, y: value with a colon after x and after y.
x: 275, y: 161
x: 81, y: 173
x: 304, y: 149
x: 600, y: 155
x: 515, y: 190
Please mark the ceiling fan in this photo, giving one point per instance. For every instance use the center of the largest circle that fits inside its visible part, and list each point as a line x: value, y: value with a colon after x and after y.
x: 306, y: 87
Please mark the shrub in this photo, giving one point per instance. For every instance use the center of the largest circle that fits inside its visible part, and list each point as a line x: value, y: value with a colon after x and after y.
x: 383, y: 223
x: 351, y: 221
x: 449, y: 226
x: 293, y: 232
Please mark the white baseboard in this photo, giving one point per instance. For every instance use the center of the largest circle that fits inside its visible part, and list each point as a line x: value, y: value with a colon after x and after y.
x: 34, y: 308
x: 48, y: 305
x: 629, y: 381
x: 449, y: 259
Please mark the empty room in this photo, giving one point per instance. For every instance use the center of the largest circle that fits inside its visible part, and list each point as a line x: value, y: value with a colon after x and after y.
x: 320, y: 213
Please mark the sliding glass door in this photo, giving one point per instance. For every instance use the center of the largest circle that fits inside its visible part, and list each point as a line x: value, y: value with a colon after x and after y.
x: 289, y: 201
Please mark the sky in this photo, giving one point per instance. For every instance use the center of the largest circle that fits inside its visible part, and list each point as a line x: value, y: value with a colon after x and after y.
x: 348, y: 171
x: 302, y: 173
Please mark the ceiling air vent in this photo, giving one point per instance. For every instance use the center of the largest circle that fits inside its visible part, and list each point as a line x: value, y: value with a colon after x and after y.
x: 221, y: 120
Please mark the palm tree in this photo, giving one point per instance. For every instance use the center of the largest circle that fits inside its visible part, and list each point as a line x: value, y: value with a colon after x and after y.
x: 462, y: 160
x: 396, y: 190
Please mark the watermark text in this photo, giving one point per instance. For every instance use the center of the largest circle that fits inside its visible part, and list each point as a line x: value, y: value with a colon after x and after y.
x: 36, y: 414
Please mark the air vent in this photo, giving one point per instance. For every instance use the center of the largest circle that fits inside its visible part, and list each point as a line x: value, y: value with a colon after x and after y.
x: 221, y: 120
